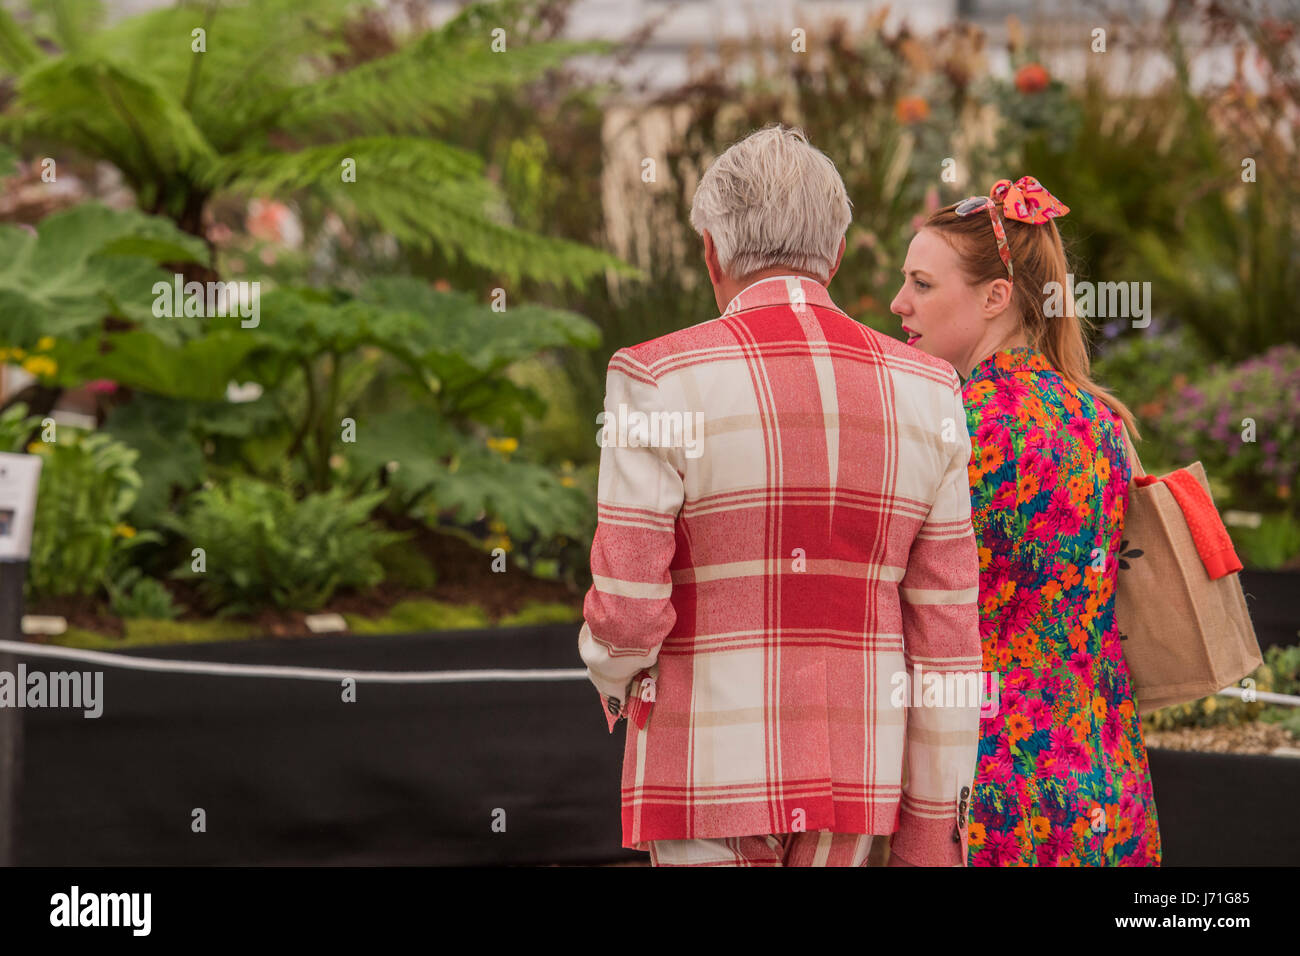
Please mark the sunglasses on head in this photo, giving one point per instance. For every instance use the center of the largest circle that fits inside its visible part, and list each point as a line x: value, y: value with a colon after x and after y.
x: 973, y: 205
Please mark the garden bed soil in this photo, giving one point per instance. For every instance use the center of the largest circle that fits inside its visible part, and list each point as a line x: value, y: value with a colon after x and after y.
x: 465, y: 577
x: 1251, y: 738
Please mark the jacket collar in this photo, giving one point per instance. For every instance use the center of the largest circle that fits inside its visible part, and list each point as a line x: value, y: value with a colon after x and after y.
x: 780, y: 290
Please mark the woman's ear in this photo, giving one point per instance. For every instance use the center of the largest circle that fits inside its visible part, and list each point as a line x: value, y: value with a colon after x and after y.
x: 997, y: 299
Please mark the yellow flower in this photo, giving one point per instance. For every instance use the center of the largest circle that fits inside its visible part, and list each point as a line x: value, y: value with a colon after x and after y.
x: 39, y: 366
x: 124, y: 530
x: 499, y: 541
x: 45, y: 343
x: 36, y: 448
x: 503, y: 445
x: 568, y: 481
x: 16, y: 353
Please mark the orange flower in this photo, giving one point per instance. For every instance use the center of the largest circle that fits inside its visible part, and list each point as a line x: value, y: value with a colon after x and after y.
x: 1078, y: 638
x: 911, y: 109
x: 1026, y: 488
x: 1079, y: 488
x: 990, y: 459
x: 1004, y: 593
x: 1032, y: 78
x: 1019, y: 726
x: 1042, y: 828
x: 1123, y: 830
x: 1079, y: 725
x: 981, y: 389
x: 975, y: 834
x: 1050, y: 590
x: 1102, y: 467
x: 1070, y: 577
x: 1081, y: 827
x: 986, y: 555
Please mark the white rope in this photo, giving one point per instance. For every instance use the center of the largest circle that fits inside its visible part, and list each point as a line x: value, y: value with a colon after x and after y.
x: 113, y: 659
x: 1265, y: 696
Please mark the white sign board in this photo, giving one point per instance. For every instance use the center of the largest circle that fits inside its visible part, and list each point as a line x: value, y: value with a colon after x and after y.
x: 19, y: 475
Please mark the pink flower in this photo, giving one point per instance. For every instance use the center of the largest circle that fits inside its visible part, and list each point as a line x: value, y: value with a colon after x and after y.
x: 1004, y: 499
x: 1001, y: 849
x: 1080, y: 664
x: 1020, y: 611
x: 102, y: 386
x: 1071, y: 756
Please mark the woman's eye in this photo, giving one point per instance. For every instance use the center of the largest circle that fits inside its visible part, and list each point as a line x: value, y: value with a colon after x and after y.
x: 921, y: 285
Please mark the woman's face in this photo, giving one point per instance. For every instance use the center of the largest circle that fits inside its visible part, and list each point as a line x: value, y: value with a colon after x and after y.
x: 942, y: 315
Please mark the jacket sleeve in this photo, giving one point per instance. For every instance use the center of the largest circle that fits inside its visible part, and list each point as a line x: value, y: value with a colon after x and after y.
x: 628, y: 612
x: 939, y: 594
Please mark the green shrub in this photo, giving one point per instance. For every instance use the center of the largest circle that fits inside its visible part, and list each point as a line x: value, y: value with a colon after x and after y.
x: 403, y: 564
x: 88, y: 484
x: 135, y: 596
x: 264, y: 547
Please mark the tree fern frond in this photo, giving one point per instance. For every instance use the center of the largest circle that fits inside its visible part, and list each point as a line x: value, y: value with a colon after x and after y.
x: 17, y: 51
x: 424, y: 193
x: 427, y: 84
x: 67, y: 22
x: 392, y: 159
x: 96, y: 105
x: 256, y: 54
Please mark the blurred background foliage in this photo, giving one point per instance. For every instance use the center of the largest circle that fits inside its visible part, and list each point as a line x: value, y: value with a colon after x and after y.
x: 519, y: 180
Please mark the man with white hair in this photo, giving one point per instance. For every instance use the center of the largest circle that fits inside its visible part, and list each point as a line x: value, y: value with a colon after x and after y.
x: 762, y: 591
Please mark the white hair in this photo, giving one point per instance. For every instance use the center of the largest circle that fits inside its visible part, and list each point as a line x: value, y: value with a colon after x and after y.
x: 773, y: 199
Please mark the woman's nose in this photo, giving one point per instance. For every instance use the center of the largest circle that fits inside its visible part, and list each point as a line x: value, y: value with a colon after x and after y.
x: 899, y: 306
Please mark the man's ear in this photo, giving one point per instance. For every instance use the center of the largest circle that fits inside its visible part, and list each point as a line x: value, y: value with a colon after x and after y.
x: 711, y: 259
x: 839, y: 257
x: 998, y: 298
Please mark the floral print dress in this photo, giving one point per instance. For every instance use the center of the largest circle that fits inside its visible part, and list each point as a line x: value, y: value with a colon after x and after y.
x: 1062, y: 776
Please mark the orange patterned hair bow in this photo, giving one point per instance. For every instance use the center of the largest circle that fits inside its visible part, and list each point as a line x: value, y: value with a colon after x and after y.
x: 1026, y: 200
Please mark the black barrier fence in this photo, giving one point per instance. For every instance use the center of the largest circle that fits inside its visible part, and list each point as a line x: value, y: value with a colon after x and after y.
x: 285, y: 772
x: 485, y: 772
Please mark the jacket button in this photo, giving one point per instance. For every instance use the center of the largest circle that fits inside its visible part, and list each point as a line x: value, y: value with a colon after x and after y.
x: 956, y: 837
x: 613, y: 705
x: 965, y: 792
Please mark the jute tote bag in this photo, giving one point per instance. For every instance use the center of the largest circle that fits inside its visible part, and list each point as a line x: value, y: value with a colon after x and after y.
x: 1185, y: 636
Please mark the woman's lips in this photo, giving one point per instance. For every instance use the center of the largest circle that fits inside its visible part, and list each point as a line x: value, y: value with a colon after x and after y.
x: 912, y: 337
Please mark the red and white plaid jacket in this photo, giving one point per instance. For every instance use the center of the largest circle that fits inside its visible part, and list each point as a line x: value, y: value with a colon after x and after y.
x: 760, y: 588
